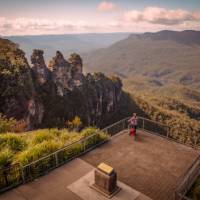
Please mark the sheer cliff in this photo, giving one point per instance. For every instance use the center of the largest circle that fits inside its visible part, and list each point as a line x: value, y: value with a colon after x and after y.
x: 47, y: 96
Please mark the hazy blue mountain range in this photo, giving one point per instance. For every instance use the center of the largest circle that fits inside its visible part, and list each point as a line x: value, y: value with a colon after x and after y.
x: 68, y: 43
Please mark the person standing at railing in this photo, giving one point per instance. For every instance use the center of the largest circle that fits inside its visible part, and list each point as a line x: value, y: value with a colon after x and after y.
x: 133, y: 124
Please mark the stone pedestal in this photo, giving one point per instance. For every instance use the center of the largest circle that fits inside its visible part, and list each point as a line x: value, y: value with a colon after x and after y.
x: 105, y: 180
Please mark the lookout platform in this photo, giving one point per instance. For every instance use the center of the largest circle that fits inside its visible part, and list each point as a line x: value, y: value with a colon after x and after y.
x: 151, y: 165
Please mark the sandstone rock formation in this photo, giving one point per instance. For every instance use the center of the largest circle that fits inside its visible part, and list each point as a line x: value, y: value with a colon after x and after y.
x: 39, y: 67
x: 77, y: 69
x: 48, y: 96
x: 61, y: 73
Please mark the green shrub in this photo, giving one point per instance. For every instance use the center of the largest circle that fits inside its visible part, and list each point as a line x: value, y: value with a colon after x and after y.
x: 64, y: 137
x: 74, y: 123
x: 92, y: 130
x: 91, y: 141
x: 97, y: 137
x: 6, y: 156
x: 13, y: 141
x: 6, y: 125
x: 55, y: 132
x: 37, y: 151
x: 89, y: 131
x: 103, y: 136
x: 69, y: 137
x: 70, y: 152
x: 42, y: 135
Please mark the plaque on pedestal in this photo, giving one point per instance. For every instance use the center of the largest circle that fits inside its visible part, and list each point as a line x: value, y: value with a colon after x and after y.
x: 105, y: 180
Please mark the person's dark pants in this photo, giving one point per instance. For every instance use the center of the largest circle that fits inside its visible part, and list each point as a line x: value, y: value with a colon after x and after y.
x: 135, y: 127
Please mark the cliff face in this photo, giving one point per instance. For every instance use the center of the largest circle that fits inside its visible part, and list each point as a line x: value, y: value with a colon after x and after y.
x: 17, y: 92
x: 48, y: 96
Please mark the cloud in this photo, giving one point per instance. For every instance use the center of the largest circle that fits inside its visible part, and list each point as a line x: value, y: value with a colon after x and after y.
x: 157, y: 15
x: 106, y: 6
x: 150, y: 19
x: 30, y: 26
x: 33, y: 26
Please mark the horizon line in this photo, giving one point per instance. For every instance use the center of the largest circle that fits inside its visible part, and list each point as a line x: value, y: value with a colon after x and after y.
x: 82, y: 33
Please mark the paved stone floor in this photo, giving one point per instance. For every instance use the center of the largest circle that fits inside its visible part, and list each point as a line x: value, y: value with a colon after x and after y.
x: 58, y: 185
x: 52, y: 186
x: 152, y: 165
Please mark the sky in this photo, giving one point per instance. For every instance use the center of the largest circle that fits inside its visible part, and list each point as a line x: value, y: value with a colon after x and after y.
x: 36, y: 17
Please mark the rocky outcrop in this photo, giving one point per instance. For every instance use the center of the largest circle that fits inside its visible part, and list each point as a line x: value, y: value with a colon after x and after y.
x: 48, y: 96
x: 77, y: 69
x: 39, y: 68
x: 76, y: 63
x: 61, y: 74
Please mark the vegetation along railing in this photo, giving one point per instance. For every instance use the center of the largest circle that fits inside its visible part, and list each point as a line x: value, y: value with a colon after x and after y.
x: 187, y: 180
x: 16, y: 174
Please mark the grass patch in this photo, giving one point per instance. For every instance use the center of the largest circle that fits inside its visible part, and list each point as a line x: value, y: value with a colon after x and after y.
x: 27, y: 147
x: 6, y: 157
x: 13, y: 141
x: 35, y: 152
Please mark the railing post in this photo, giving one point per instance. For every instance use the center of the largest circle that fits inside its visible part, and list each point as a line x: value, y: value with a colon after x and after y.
x: 143, y: 123
x: 84, y: 145
x: 5, y: 177
x: 106, y: 131
x: 195, y: 141
x: 95, y: 138
x: 123, y: 125
x: 167, y: 131
x: 56, y: 158
x: 23, y: 177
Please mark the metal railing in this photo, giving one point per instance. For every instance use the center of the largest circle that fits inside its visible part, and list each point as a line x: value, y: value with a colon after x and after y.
x: 165, y: 131
x: 116, y: 127
x: 143, y: 123
x: 16, y: 175
x: 187, y: 180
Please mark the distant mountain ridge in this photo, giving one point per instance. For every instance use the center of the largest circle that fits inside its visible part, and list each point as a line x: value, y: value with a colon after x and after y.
x: 188, y: 37
x: 67, y: 43
x: 167, y: 57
